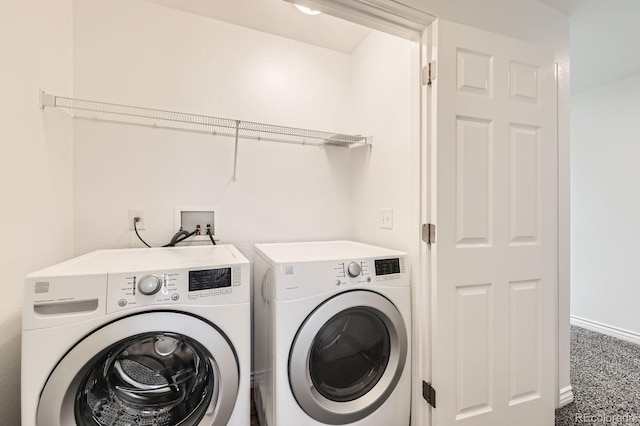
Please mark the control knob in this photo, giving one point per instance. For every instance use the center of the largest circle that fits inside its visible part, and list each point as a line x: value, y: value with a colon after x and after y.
x: 149, y: 284
x: 354, y: 269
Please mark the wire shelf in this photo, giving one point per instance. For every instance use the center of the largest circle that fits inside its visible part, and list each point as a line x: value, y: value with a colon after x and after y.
x: 104, y: 111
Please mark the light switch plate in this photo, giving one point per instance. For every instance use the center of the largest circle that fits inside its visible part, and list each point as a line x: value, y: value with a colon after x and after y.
x: 386, y: 218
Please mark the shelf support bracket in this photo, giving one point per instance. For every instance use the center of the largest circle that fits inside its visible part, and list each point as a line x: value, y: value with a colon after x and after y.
x: 235, y: 151
x: 47, y: 100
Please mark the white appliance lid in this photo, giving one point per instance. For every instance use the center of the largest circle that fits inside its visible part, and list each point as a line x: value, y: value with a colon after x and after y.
x: 321, y: 251
x: 128, y: 260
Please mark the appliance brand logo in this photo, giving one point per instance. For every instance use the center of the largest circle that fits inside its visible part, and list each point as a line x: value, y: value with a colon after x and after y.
x: 42, y: 287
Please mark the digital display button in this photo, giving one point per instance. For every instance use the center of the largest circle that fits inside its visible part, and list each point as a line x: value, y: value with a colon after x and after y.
x: 387, y: 266
x: 209, y: 279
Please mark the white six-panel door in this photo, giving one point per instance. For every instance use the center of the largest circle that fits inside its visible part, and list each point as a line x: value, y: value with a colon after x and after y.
x: 492, y: 194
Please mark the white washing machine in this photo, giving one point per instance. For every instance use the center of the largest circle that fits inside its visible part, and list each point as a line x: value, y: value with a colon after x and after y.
x: 331, y: 334
x: 138, y: 337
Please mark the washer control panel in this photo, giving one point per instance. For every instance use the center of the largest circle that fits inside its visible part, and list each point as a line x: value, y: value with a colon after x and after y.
x: 149, y: 284
x: 183, y: 286
x: 354, y: 269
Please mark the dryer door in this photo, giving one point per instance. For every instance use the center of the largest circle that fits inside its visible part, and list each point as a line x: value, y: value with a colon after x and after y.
x: 155, y: 368
x: 347, y: 357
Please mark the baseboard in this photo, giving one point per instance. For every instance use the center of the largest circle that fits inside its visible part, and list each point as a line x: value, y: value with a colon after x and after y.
x: 609, y: 330
x: 566, y: 396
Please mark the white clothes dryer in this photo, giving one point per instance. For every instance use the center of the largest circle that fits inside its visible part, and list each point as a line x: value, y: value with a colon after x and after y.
x: 331, y: 334
x: 155, y: 336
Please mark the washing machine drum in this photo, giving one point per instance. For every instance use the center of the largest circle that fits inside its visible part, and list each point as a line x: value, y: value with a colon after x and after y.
x: 186, y: 374
x: 348, y: 357
x: 153, y: 378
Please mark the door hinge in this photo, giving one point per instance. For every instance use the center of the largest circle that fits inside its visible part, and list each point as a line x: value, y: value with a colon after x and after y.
x: 428, y: 73
x: 429, y: 394
x: 429, y: 233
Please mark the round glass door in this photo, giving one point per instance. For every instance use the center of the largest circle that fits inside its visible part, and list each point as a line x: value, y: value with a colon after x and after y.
x: 349, y: 354
x: 152, y: 378
x: 153, y: 368
x: 347, y: 357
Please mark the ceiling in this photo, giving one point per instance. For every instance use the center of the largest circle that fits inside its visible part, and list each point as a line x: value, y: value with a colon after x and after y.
x: 280, y: 18
x: 567, y: 7
x: 604, y: 35
x: 602, y: 32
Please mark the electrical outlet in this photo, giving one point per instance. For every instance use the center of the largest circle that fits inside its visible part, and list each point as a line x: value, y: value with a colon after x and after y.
x: 142, y: 223
x: 386, y: 218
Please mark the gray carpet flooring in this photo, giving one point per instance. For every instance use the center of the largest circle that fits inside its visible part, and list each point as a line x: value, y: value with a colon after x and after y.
x: 605, y: 376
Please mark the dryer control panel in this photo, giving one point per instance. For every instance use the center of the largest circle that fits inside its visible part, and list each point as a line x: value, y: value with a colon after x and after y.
x: 304, y: 279
x: 364, y: 271
x: 209, y: 286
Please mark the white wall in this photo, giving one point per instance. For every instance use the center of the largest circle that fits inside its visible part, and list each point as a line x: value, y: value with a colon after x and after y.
x: 36, y: 172
x: 382, y: 87
x: 596, y: 27
x: 142, y: 54
x: 385, y: 104
x: 604, y: 124
x: 605, y: 205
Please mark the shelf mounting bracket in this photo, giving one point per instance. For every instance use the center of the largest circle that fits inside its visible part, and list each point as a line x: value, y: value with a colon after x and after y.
x: 47, y: 100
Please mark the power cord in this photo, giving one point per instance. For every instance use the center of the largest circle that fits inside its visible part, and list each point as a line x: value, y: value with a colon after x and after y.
x: 178, y: 237
x: 135, y: 228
